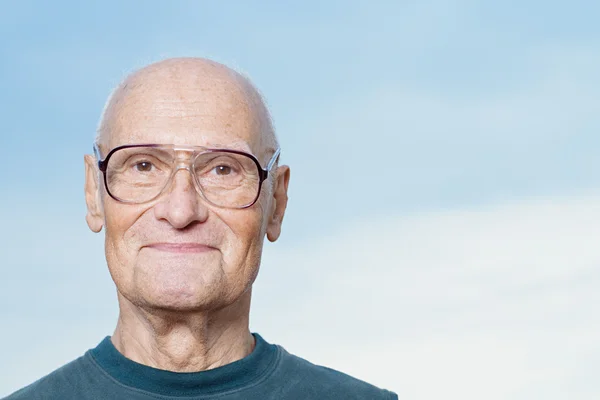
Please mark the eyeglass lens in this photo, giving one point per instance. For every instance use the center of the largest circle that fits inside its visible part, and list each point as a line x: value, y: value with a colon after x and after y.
x: 139, y: 174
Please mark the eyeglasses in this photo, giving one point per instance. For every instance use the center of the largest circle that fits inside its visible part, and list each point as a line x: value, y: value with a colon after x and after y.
x: 139, y: 173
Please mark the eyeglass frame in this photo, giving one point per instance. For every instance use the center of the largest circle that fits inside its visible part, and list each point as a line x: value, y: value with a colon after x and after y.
x: 263, y: 172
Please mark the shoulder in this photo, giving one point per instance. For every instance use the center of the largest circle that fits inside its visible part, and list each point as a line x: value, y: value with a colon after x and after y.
x: 59, y: 384
x: 315, y: 381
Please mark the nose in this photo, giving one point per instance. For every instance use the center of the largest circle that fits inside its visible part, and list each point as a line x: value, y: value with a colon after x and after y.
x: 182, y: 205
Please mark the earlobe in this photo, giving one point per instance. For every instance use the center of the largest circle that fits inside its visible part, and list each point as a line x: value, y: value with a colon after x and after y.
x: 94, y: 223
x: 280, y: 199
x: 95, y: 214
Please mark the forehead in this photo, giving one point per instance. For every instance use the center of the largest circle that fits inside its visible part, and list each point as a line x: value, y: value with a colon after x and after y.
x: 214, y: 112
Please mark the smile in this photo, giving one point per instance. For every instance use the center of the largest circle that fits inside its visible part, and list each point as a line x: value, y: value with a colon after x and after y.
x: 181, y: 247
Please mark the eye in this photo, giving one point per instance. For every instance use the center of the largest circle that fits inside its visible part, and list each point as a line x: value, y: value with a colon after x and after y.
x: 222, y: 170
x: 143, y: 166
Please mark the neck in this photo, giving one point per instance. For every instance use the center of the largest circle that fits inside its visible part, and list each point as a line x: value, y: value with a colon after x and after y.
x: 184, y: 341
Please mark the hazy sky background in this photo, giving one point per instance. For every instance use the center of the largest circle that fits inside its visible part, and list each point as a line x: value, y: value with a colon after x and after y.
x: 442, y: 234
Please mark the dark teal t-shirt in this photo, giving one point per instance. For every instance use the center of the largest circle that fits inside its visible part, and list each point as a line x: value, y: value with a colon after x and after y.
x: 268, y: 373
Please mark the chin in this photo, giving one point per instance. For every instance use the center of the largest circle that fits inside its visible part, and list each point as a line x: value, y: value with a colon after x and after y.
x: 186, y: 294
x: 185, y: 284
x: 180, y: 302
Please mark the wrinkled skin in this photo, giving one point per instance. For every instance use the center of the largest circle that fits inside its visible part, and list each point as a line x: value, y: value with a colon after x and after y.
x: 185, y: 310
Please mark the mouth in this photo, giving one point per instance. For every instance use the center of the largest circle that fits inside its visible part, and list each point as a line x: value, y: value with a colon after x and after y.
x: 181, y: 247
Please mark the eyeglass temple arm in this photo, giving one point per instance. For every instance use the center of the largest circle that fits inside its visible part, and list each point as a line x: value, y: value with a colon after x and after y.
x: 97, y: 154
x: 273, y: 159
x: 265, y: 172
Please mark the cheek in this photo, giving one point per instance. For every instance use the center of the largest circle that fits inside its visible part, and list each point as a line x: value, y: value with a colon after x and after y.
x: 120, y: 238
x: 244, y: 243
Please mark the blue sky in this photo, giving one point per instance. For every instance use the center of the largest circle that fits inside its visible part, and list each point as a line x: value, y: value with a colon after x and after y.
x: 435, y: 123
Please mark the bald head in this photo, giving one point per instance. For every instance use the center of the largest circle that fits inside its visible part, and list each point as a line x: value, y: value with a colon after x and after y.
x: 174, y: 100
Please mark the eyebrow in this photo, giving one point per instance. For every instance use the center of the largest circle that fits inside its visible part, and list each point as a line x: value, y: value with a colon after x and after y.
x: 243, y: 146
x: 240, y: 145
x: 237, y: 146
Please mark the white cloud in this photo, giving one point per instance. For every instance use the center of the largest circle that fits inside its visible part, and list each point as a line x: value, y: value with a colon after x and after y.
x: 496, y: 302
x: 492, y: 303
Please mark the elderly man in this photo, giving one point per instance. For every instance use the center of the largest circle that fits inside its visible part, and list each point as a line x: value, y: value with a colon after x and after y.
x: 186, y: 183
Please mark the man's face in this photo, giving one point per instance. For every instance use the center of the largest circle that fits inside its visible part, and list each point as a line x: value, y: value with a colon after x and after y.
x: 147, y: 269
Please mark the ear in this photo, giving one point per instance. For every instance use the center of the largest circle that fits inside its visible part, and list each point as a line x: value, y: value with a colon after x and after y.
x: 280, y: 199
x: 95, y: 213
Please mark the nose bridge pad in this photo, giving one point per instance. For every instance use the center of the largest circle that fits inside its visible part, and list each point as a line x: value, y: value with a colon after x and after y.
x: 188, y: 167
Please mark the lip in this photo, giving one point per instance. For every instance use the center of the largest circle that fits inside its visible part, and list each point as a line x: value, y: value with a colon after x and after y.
x: 181, y: 247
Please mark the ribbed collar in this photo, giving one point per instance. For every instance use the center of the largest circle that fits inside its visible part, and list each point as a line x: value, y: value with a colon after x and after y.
x: 222, y: 379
